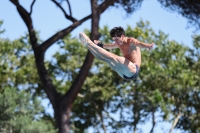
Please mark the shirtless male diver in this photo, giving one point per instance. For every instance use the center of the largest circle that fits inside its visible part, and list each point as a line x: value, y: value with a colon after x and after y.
x: 128, y: 66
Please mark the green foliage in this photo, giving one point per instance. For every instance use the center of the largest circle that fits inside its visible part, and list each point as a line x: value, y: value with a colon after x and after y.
x: 1, y: 31
x: 168, y: 82
x: 20, y: 113
x: 65, y: 64
x: 18, y: 66
x: 168, y: 78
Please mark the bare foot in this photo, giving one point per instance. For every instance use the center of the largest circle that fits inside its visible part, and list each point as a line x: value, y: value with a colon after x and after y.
x: 84, y: 39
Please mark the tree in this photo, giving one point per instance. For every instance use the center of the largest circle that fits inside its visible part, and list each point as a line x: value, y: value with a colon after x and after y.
x: 20, y: 110
x: 163, y: 86
x: 166, y: 82
x: 104, y: 92
x: 191, y: 113
x: 17, y: 65
x: 97, y: 90
x: 20, y: 113
x: 62, y: 103
x: 166, y: 86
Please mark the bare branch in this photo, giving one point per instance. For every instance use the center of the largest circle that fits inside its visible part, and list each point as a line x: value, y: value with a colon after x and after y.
x: 28, y: 21
x: 24, y: 14
x: 153, y: 119
x: 70, y: 10
x: 102, y: 121
x: 45, y: 45
x: 32, y: 7
x: 175, y: 121
x: 100, y: 118
x: 66, y: 15
x: 106, y: 4
x: 64, y: 32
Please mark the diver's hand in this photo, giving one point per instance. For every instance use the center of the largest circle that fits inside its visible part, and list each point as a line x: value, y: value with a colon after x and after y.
x: 96, y: 41
x: 150, y: 46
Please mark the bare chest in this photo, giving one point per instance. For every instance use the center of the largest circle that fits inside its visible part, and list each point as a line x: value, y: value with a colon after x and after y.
x: 127, y: 49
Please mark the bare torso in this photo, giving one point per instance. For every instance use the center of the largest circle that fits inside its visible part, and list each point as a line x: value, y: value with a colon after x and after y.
x: 130, y: 51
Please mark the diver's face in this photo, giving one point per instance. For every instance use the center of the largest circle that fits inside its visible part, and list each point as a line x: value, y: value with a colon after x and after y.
x: 118, y: 40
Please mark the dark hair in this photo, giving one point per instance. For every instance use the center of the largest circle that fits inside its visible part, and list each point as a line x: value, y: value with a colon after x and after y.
x: 117, y: 31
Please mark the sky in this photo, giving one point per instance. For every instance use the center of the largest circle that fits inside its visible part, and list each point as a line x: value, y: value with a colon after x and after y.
x: 48, y: 19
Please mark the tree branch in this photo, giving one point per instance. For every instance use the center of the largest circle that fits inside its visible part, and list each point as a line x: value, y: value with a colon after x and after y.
x: 153, y: 120
x: 46, y: 44
x: 32, y: 7
x: 76, y: 86
x: 28, y: 21
x: 175, y: 121
x: 66, y: 15
x: 102, y: 121
x: 47, y: 83
x: 39, y: 54
x: 69, y: 6
x: 106, y: 4
x: 136, y: 112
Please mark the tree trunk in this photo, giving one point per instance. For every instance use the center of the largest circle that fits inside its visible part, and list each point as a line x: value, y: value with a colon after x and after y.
x: 62, y: 105
x: 62, y: 116
x: 63, y: 108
